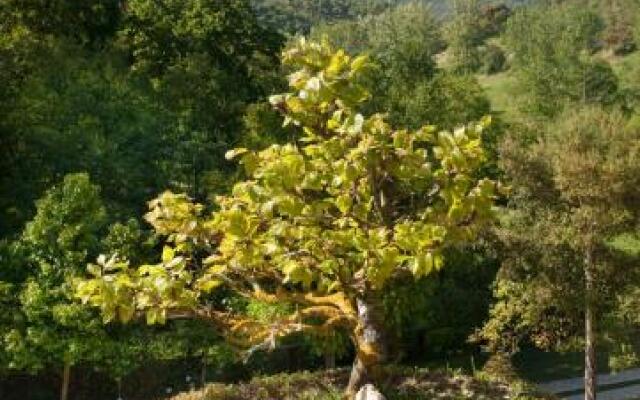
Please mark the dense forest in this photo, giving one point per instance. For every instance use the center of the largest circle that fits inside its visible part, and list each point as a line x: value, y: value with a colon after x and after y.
x: 423, y: 196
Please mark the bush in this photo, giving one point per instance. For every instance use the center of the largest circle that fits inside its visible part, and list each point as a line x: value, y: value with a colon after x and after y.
x: 446, y: 101
x: 601, y: 83
x: 493, y: 59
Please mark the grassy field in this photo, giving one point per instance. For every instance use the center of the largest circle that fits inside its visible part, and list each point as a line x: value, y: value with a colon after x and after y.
x: 501, y: 89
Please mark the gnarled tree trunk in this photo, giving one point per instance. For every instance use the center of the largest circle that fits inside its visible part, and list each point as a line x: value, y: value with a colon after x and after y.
x: 369, y: 339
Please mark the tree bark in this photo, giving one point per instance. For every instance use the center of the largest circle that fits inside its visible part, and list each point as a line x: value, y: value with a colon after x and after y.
x: 66, y: 375
x: 590, y: 384
x: 203, y: 372
x: 369, y: 339
x: 330, y: 359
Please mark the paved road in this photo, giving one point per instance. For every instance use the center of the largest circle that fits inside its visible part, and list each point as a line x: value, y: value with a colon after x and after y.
x: 625, y: 393
x: 621, y: 392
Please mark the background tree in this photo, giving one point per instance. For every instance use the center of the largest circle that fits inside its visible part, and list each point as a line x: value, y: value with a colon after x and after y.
x: 464, y: 35
x: 86, y: 116
x: 44, y: 328
x: 620, y: 17
x: 562, y: 277
x: 299, y: 17
x: 432, y: 317
x: 406, y: 82
x: 323, y: 223
x: 148, y: 92
x: 193, y: 55
x: 87, y: 24
x: 60, y: 240
x: 403, y: 39
x: 554, y: 64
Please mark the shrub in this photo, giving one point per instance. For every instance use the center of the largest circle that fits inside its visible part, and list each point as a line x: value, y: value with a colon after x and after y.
x: 402, y: 383
x: 493, y: 59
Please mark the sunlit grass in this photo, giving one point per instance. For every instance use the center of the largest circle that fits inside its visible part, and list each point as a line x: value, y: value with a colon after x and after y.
x: 502, y: 91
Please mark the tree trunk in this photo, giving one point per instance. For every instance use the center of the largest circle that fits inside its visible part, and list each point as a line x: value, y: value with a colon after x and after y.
x: 369, y: 340
x: 589, y: 335
x: 119, y: 382
x: 330, y: 354
x: 203, y: 372
x: 66, y: 375
x: 330, y: 359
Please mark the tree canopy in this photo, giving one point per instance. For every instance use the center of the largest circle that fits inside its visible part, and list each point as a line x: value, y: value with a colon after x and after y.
x: 323, y: 223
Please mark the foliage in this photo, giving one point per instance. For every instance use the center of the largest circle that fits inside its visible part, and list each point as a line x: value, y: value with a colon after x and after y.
x: 403, y: 384
x: 192, y: 55
x: 63, y: 233
x: 493, y: 18
x: 128, y: 240
x: 134, y: 110
x: 43, y: 327
x: 321, y: 223
x: 158, y: 36
x: 260, y: 118
x: 89, y: 24
x: 54, y: 330
x: 445, y: 101
x: 493, y: 59
x: 302, y: 15
x: 12, y: 274
x: 402, y: 40
x: 553, y: 62
x: 581, y: 172
x: 84, y: 116
x: 404, y: 80
x: 434, y: 316
x: 345, y: 221
x: 619, y: 16
x: 464, y: 35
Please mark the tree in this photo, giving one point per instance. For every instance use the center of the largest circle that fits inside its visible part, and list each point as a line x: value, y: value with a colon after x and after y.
x: 191, y: 56
x: 324, y: 223
x: 20, y: 51
x: 299, y: 17
x: 135, y: 100
x: 86, y: 115
x: 620, y: 16
x: 405, y: 81
x: 554, y: 64
x: 61, y: 238
x: 403, y: 40
x: 464, y: 35
x: 43, y: 327
x: 88, y: 24
x: 444, y: 100
x: 575, y: 189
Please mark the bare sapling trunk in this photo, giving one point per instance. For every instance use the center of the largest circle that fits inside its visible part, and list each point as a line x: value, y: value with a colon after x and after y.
x: 590, y: 384
x: 203, y: 372
x: 330, y: 356
x: 66, y: 375
x: 369, y: 339
x: 330, y: 359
